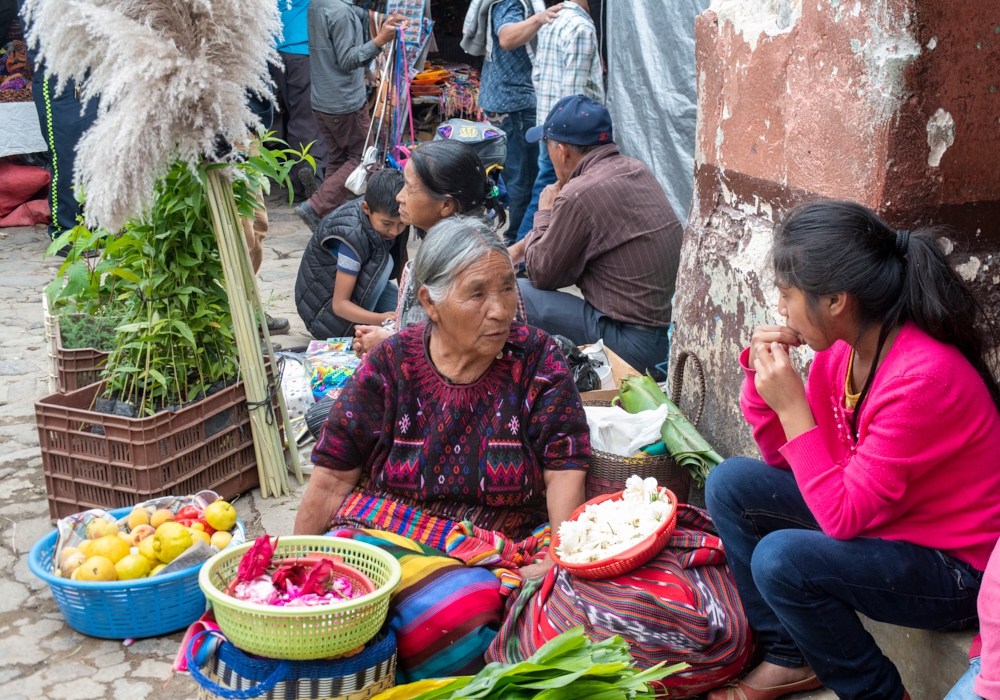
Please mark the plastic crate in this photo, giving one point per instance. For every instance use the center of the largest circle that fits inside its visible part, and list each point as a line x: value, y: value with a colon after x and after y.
x: 208, y: 445
x: 145, y: 607
x: 76, y: 369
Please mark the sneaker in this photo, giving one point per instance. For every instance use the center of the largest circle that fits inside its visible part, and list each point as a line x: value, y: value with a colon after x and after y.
x: 308, y: 179
x: 308, y: 215
x: 277, y: 325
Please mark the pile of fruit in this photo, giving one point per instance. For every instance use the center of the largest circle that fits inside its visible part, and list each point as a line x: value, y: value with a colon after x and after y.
x: 145, y: 543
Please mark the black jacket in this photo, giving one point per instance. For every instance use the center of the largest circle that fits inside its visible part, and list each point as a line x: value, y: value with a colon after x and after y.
x: 317, y: 276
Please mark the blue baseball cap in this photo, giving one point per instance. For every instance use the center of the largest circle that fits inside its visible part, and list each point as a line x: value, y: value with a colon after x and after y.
x: 576, y: 120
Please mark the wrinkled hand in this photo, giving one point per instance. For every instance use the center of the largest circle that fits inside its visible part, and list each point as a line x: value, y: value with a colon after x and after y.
x: 778, y: 382
x: 548, y: 16
x: 517, y: 252
x: 533, y: 571
x: 547, y: 199
x: 367, y: 337
x: 763, y: 336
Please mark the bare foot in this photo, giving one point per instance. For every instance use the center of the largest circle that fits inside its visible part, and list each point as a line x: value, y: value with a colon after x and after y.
x: 769, y: 675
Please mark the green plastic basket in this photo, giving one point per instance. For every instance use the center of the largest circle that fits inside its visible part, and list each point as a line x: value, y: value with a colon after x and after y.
x: 303, y: 633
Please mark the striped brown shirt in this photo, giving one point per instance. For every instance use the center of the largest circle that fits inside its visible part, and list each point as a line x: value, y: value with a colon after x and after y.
x: 613, y: 233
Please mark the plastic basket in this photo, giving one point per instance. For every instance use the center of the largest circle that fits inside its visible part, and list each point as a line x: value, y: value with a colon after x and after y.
x: 144, y: 607
x: 205, y: 446
x: 303, y: 633
x: 77, y: 368
x: 631, y: 558
x: 229, y: 673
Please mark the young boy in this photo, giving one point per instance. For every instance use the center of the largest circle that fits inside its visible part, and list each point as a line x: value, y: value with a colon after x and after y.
x: 344, y: 277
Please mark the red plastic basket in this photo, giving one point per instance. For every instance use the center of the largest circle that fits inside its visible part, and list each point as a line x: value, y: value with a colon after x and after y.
x: 626, y: 561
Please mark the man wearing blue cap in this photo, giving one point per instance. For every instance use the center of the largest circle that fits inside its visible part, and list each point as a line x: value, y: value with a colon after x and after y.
x: 607, y: 227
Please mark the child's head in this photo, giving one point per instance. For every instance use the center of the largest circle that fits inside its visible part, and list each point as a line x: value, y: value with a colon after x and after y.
x: 380, y: 205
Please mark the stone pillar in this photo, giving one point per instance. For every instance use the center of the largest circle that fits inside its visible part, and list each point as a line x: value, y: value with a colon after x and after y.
x: 891, y: 103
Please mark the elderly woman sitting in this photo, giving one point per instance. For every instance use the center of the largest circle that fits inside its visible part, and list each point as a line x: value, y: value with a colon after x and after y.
x: 464, y: 435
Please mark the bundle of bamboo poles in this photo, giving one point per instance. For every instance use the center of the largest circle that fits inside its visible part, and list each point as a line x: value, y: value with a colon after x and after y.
x: 247, y: 312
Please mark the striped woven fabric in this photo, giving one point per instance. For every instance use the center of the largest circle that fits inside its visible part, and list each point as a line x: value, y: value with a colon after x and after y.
x: 503, y: 556
x: 680, y: 607
x: 444, y: 613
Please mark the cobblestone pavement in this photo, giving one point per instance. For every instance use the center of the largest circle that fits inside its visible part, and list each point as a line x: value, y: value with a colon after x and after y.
x: 41, y: 657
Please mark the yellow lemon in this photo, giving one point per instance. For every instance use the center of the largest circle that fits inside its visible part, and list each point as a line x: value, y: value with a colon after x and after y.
x: 170, y: 541
x: 157, y: 569
x: 200, y: 535
x: 221, y: 540
x: 111, y: 547
x: 84, y: 547
x: 146, y: 550
x: 220, y: 515
x: 132, y: 566
x: 96, y: 569
x: 197, y: 526
x: 160, y: 517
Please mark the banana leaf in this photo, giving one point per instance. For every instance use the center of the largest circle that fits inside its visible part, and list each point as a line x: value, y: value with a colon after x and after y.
x: 682, y: 440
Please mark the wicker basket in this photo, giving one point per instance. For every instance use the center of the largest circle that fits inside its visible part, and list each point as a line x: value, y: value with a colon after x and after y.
x: 608, y: 472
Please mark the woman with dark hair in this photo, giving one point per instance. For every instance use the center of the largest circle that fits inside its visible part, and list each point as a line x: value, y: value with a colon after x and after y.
x: 878, y: 489
x: 443, y: 179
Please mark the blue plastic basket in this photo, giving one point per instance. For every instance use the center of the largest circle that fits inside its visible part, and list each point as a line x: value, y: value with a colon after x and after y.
x: 144, y: 607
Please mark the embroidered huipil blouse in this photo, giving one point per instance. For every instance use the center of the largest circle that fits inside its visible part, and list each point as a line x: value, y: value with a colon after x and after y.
x: 474, y: 451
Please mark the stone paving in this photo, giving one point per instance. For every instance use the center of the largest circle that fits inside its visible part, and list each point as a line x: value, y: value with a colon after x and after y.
x: 41, y: 657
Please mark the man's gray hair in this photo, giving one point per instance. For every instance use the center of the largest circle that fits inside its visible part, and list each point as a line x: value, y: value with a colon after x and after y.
x: 450, y: 247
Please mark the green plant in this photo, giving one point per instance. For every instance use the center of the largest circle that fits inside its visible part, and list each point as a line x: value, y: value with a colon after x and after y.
x: 162, y: 273
x: 83, y: 331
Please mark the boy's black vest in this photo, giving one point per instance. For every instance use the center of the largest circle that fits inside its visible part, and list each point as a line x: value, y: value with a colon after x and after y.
x: 318, y: 270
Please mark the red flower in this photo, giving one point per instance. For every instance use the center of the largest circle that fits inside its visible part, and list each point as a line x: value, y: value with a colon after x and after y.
x: 255, y: 562
x: 294, y: 574
x: 318, y: 580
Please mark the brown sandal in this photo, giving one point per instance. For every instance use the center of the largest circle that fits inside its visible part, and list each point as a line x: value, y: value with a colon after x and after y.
x: 738, y: 690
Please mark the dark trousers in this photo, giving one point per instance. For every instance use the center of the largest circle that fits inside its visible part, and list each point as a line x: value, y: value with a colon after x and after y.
x: 296, y: 115
x: 62, y: 126
x: 521, y: 167
x: 345, y: 145
x: 559, y: 313
x: 802, y: 590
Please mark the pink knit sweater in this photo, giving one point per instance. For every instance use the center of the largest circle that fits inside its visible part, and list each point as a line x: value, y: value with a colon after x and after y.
x: 987, y: 645
x: 926, y: 468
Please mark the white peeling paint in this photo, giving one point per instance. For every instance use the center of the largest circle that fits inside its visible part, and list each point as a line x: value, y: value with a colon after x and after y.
x: 968, y: 270
x: 947, y: 245
x: 940, y: 136
x: 932, y: 44
x: 753, y: 18
x: 856, y: 10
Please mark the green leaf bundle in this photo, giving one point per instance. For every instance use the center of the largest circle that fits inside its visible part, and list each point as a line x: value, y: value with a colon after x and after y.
x: 683, y: 441
x: 569, y: 667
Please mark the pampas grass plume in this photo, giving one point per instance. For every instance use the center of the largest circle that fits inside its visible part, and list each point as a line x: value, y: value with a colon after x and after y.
x: 169, y: 74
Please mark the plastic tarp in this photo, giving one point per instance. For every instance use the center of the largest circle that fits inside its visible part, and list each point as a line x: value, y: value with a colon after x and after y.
x: 652, y: 88
x: 19, y: 129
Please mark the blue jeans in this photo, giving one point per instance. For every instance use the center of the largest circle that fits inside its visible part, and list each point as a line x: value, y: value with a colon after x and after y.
x: 546, y: 176
x: 965, y: 688
x: 521, y: 166
x: 387, y: 299
x: 802, y: 589
x: 560, y: 313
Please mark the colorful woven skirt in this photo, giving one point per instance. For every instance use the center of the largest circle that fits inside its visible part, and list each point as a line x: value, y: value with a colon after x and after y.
x: 444, y: 613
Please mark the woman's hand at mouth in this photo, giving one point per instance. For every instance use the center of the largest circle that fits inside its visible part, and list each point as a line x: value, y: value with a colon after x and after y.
x: 763, y: 336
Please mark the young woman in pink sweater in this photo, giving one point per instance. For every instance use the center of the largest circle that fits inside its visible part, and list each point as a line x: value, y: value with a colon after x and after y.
x: 879, y: 488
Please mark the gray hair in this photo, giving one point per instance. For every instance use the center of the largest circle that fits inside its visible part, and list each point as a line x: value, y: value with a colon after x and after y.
x: 451, y: 246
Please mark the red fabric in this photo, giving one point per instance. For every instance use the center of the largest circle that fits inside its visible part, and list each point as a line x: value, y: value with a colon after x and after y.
x: 18, y: 183
x: 28, y: 214
x: 926, y: 467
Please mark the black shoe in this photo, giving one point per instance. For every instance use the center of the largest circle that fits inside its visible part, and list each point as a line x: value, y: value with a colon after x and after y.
x: 308, y: 179
x: 67, y: 249
x: 277, y: 325
x: 308, y: 215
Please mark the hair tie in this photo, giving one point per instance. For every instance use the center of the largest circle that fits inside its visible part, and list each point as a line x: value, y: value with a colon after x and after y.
x: 902, y: 242
x: 494, y: 192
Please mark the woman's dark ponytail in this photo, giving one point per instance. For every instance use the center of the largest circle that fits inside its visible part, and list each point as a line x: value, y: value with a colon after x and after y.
x: 452, y: 170
x: 895, y: 276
